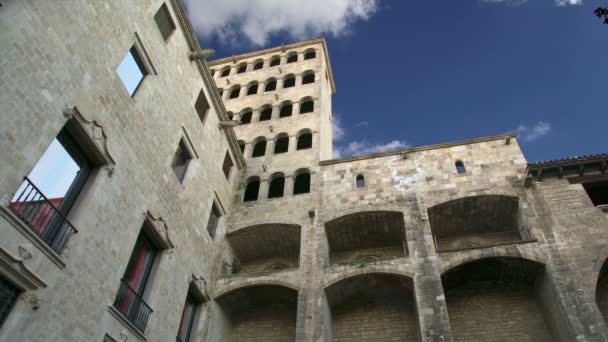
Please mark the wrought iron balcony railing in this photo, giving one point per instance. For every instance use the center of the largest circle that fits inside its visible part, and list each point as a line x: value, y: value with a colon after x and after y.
x: 132, y: 306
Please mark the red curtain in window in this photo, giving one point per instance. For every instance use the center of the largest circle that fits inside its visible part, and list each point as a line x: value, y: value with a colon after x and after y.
x: 140, y: 260
x: 186, y: 324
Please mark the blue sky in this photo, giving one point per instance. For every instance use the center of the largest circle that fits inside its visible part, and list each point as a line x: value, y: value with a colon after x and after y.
x: 418, y: 72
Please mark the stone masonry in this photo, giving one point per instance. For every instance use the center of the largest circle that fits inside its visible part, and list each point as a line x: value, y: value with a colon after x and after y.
x: 461, y: 241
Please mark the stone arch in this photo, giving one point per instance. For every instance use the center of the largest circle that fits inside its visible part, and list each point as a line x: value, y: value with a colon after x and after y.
x: 599, y: 285
x: 457, y: 260
x: 242, y: 282
x: 369, y: 269
x: 367, y: 208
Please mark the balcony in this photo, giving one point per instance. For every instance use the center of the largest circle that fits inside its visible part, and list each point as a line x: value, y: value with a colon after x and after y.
x: 130, y: 304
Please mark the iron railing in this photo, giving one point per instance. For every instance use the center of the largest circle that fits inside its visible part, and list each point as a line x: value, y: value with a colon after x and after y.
x: 42, y: 216
x: 132, y: 306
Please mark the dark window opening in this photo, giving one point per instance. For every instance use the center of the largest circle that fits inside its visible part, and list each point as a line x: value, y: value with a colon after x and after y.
x: 270, y: 86
x: 259, y: 149
x: 187, y: 322
x: 179, y: 164
x: 214, y: 219
x: 597, y: 192
x: 310, y: 55
x: 304, y: 141
x: 310, y: 78
x: 8, y: 298
x: 258, y: 65
x: 289, y: 82
x: 301, y: 184
x: 227, y: 166
x: 292, y: 59
x: 246, y: 117
x: 225, y: 72
x: 251, y: 192
x: 164, y: 22
x: 281, y: 145
x: 360, y: 181
x: 234, y: 93
x: 460, y: 167
x: 241, y: 69
x: 230, y: 115
x: 266, y: 114
x: 202, y: 106
x: 242, y: 147
x: 253, y: 89
x: 275, y: 62
x: 132, y: 70
x: 286, y: 111
x: 277, y: 186
x: 307, y: 107
x: 221, y: 92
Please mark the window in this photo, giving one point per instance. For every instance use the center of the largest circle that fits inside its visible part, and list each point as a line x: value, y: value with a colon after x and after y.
x: 230, y: 115
x: 360, y: 181
x: 179, y: 164
x: 241, y: 69
x: 289, y: 81
x: 258, y: 65
x: 8, y: 298
x: 307, y: 106
x: 214, y: 219
x: 281, y: 145
x: 227, y: 166
x: 292, y: 58
x: 597, y: 192
x: 259, y: 149
x: 132, y: 70
x: 271, y: 85
x: 202, y: 106
x: 187, y: 321
x: 301, y: 184
x: 308, y: 78
x: 310, y: 54
x: 286, y: 110
x: 460, y: 167
x: 246, y: 117
x: 276, y: 60
x: 242, y: 146
x: 212, y: 72
x: 164, y: 22
x: 304, y: 141
x: 234, y: 93
x: 277, y: 185
x: 221, y: 92
x: 253, y: 89
x: 225, y: 72
x: 266, y: 114
x: 252, y: 190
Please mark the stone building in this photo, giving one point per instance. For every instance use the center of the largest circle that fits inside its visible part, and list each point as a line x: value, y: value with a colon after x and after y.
x: 198, y: 201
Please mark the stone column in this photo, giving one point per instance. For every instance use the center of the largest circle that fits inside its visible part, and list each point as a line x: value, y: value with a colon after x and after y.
x: 255, y: 115
x: 293, y: 142
x: 247, y: 151
x: 263, y: 193
x: 269, y: 147
x: 288, y: 189
x: 275, y: 113
x: 295, y: 110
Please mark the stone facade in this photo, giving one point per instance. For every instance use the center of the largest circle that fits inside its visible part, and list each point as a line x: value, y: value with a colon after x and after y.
x: 396, y: 246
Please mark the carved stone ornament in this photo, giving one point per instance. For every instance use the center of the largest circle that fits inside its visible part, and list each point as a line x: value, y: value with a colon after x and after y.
x: 158, y: 230
x: 201, y: 54
x: 198, y: 285
x: 15, y: 271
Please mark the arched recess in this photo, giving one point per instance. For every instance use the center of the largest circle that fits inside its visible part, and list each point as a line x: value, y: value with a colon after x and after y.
x: 265, y: 247
x: 372, y: 307
x: 601, y: 290
x: 366, y: 236
x: 262, y: 312
x: 502, y: 299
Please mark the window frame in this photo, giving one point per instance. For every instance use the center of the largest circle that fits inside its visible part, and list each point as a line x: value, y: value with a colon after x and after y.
x: 213, y: 221
x: 190, y: 300
x: 9, y: 306
x: 182, y: 145
x: 227, y: 158
x: 170, y: 20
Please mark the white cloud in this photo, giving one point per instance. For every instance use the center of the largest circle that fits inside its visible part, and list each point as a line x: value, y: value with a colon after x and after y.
x: 527, y: 133
x: 362, y: 124
x: 520, y: 2
x: 253, y: 21
x: 363, y: 147
x: 337, y: 129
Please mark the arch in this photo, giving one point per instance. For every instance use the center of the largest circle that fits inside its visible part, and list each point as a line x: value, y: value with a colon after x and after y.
x: 281, y: 143
x: 600, y: 290
x: 270, y: 84
x: 460, y: 169
x: 277, y: 185
x: 252, y: 189
x: 289, y: 81
x: 246, y: 115
x: 259, y: 147
x: 275, y: 60
x: 304, y: 139
x: 258, y: 64
x: 496, y: 252
x: 225, y: 71
x: 307, y: 105
x: 234, y: 92
x: 220, y: 91
x: 241, y: 68
x: 212, y: 72
x: 265, y: 113
x: 308, y: 77
x: 252, y: 88
x: 360, y: 181
x: 310, y: 54
x: 286, y: 109
x: 242, y: 282
x: 301, y: 184
x: 598, y: 264
x: 292, y: 57
x: 369, y: 269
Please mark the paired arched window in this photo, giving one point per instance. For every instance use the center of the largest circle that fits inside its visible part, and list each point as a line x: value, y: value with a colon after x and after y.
x: 277, y: 186
x: 271, y: 85
x: 241, y: 68
x: 225, y: 72
x: 360, y: 181
x: 234, y: 93
x: 304, y: 141
x: 252, y: 190
x: 253, y: 89
x: 460, y: 167
x: 266, y: 114
x: 292, y: 57
x: 308, y: 77
x: 307, y: 106
x: 301, y: 184
x: 258, y: 64
x: 259, y: 149
x: 246, y: 116
x: 275, y: 60
x: 281, y: 144
x: 310, y: 54
x: 286, y: 110
x: 289, y: 81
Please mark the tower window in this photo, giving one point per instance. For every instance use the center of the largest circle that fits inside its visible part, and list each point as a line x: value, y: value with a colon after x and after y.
x: 180, y: 161
x: 258, y: 65
x: 308, y: 78
x: 271, y: 85
x: 246, y: 117
x: 225, y: 72
x: 252, y: 191
x: 286, y: 110
x: 460, y: 167
x: 235, y: 93
x: 242, y: 68
x: 289, y: 81
x: 187, y: 321
x: 310, y: 55
x: 597, y: 192
x: 8, y: 298
x: 242, y: 146
x: 304, y: 141
x: 360, y: 181
x: 281, y: 145
x: 277, y: 186
x: 292, y: 58
x: 275, y: 61
x: 214, y: 218
x: 164, y: 22
x: 228, y: 164
x: 307, y: 107
x: 259, y: 149
x: 201, y: 106
x: 132, y: 70
x: 253, y: 89
x: 266, y: 114
x: 230, y: 115
x: 302, y: 183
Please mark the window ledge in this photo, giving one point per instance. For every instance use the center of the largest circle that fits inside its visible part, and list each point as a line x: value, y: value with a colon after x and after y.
x: 27, y: 232
x: 124, y: 321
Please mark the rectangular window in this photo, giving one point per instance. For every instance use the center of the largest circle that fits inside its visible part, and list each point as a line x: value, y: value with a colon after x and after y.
x: 597, y: 192
x: 164, y: 21
x: 132, y: 70
x: 202, y: 106
x: 214, y: 219
x: 179, y: 164
x: 8, y: 298
x: 187, y: 322
x: 227, y: 165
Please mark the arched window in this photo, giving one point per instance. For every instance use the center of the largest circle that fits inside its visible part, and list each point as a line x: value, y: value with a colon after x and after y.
x: 252, y: 190
x: 292, y: 58
x: 307, y: 106
x: 242, y: 68
x: 221, y: 92
x: 275, y: 60
x: 289, y: 81
x: 286, y: 110
x: 253, y: 89
x: 460, y: 167
x: 277, y: 186
x: 281, y: 144
x: 310, y: 54
x: 304, y: 141
x: 225, y: 72
x: 234, y: 93
x: 301, y: 183
x: 246, y: 117
x: 308, y: 77
x: 242, y: 146
x: 212, y: 73
x: 266, y: 114
x: 230, y: 115
x: 360, y: 181
x: 259, y: 149
x: 258, y: 64
x: 271, y: 85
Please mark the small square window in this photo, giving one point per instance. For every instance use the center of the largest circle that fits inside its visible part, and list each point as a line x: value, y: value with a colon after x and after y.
x: 202, y: 106
x: 227, y: 166
x: 597, y: 192
x: 132, y: 70
x: 214, y: 219
x: 164, y: 22
x: 179, y: 164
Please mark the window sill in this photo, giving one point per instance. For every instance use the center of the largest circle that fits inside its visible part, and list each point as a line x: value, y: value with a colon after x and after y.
x: 124, y: 321
x: 27, y: 232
